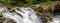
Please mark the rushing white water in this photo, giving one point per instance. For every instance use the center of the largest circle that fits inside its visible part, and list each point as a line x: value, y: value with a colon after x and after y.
x: 21, y: 15
x: 56, y: 19
x: 24, y: 15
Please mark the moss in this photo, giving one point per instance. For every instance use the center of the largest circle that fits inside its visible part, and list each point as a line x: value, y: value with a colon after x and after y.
x: 1, y: 15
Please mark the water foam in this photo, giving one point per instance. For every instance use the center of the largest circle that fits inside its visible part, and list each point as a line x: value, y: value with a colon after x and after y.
x: 22, y: 15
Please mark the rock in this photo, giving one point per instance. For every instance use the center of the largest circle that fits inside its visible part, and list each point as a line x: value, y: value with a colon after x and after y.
x: 2, y: 18
x: 7, y: 20
x: 1, y: 21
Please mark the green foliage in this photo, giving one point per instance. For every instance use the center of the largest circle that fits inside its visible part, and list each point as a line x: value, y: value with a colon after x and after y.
x: 30, y: 1
x: 16, y: 2
x: 5, y: 1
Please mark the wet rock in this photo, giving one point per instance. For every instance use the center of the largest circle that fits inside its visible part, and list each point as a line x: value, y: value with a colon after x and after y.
x: 1, y: 15
x: 2, y: 18
x: 1, y: 21
x: 8, y: 21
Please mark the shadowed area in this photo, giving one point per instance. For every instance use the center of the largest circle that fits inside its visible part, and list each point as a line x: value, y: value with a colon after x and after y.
x: 56, y: 9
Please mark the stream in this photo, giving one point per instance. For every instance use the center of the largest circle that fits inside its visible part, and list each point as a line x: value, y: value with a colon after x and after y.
x: 21, y: 15
x: 24, y: 15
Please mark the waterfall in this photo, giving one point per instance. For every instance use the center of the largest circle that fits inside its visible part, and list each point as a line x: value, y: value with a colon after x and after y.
x: 21, y: 15
x: 24, y: 15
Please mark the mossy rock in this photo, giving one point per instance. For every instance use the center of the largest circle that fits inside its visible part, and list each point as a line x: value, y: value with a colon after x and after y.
x: 1, y: 15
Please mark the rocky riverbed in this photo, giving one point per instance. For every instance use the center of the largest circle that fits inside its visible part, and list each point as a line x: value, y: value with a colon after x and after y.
x: 47, y: 14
